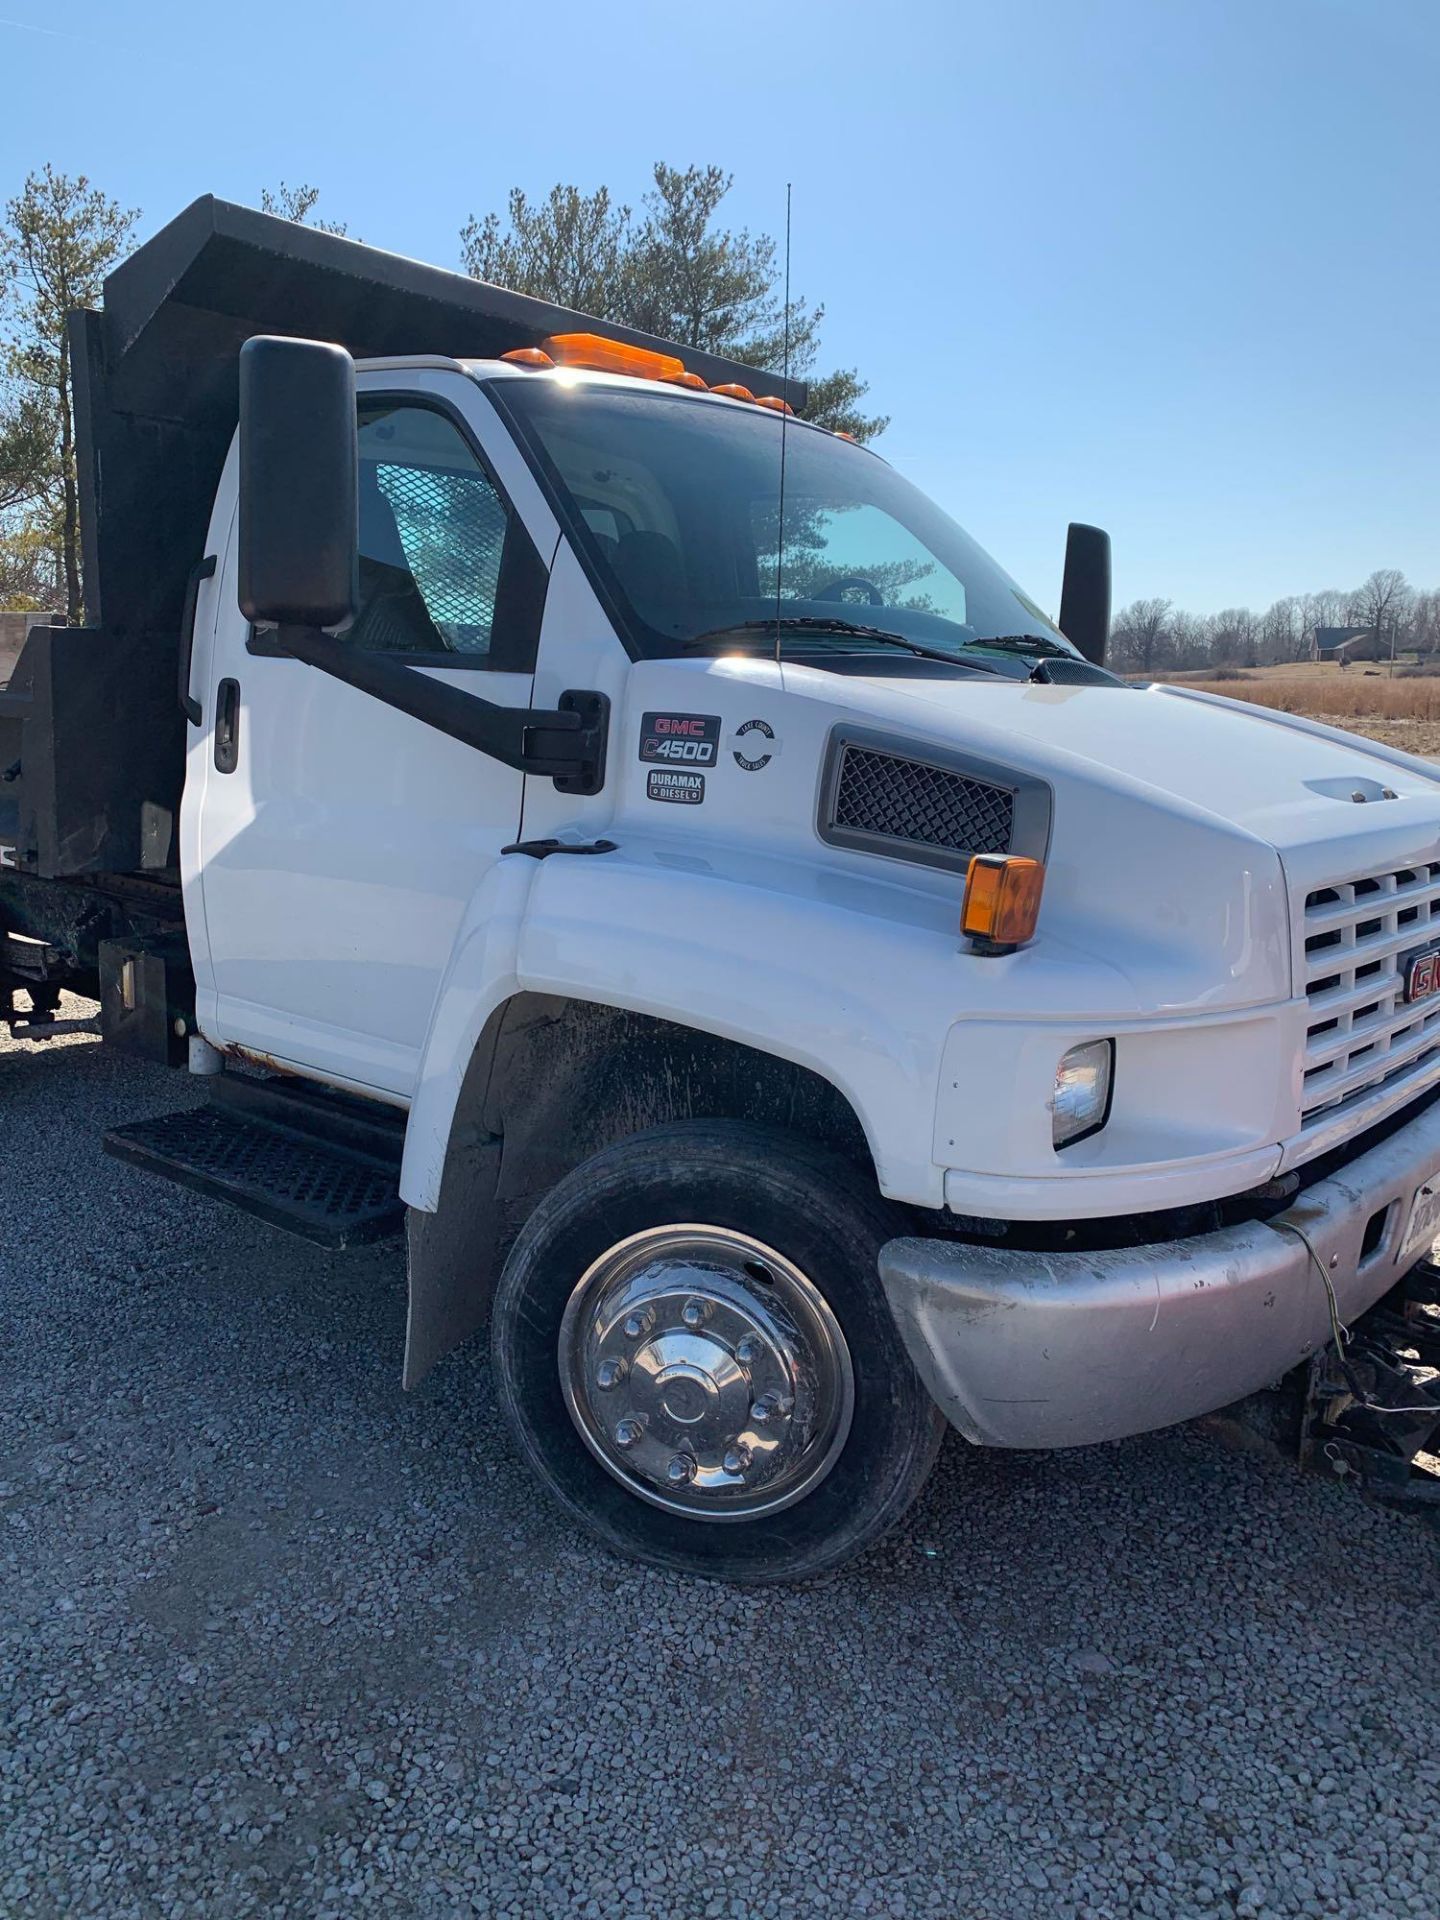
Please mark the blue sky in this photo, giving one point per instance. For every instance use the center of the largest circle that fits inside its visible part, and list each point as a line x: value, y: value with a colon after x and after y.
x: 1168, y: 265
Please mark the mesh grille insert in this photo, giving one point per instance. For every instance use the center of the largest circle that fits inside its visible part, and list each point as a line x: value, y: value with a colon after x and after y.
x: 452, y: 529
x: 898, y: 799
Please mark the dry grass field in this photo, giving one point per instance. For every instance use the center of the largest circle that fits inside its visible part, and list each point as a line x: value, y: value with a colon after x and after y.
x: 1402, y: 711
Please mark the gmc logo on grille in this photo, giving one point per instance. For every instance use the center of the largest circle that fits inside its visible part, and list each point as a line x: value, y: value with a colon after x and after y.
x: 1422, y: 975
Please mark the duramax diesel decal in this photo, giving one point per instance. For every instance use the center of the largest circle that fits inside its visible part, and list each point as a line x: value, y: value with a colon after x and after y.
x: 687, y: 789
x: 680, y: 739
x: 753, y: 745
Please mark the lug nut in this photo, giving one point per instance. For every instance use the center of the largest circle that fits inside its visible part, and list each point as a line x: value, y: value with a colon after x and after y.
x: 737, y: 1458
x: 696, y: 1312
x: 610, y: 1373
x: 629, y: 1433
x: 639, y: 1324
x: 681, y: 1470
x: 748, y: 1351
x: 770, y: 1406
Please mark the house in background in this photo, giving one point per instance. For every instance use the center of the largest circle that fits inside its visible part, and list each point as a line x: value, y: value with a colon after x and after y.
x: 1340, y: 643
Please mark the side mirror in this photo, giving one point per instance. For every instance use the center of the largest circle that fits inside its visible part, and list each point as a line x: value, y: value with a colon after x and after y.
x: 299, y: 482
x: 1085, y: 595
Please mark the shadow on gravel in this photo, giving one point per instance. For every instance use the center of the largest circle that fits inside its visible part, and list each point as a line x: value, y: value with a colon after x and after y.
x: 279, y: 1639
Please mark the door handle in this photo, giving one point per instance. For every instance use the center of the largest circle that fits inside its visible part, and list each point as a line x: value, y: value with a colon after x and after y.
x: 227, y: 727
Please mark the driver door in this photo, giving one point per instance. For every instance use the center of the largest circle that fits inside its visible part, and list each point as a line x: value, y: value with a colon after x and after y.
x: 340, y: 840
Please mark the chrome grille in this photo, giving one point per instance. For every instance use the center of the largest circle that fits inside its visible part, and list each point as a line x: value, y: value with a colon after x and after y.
x: 1363, y: 1036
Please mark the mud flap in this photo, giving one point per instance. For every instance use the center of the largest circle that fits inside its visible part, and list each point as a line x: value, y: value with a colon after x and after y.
x: 452, y: 1256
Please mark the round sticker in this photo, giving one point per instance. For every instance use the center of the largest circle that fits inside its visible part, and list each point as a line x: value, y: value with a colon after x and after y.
x: 751, y: 750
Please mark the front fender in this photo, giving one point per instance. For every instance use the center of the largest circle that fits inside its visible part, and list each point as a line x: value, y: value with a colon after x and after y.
x: 480, y: 977
x: 854, y: 979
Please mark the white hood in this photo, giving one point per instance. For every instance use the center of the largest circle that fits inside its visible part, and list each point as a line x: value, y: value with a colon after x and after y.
x: 1283, y: 780
x: 1185, y: 832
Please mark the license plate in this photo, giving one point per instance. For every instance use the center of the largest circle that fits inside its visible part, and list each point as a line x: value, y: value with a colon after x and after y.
x: 1424, y: 1224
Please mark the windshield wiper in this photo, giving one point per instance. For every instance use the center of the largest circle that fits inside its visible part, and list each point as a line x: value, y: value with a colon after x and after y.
x: 1035, y: 643
x: 846, y: 629
x: 1026, y: 646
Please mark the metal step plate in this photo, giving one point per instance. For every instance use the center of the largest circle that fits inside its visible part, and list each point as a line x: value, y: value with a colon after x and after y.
x: 325, y: 1192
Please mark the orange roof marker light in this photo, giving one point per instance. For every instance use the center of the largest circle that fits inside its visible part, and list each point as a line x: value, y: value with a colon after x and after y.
x: 840, y: 434
x: 528, y: 357
x: 733, y: 391
x: 599, y: 355
x: 774, y: 402
x: 687, y: 379
x: 1002, y: 901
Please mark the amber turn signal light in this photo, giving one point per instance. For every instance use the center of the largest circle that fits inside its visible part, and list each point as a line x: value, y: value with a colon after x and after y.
x: 599, y: 355
x: 1002, y: 901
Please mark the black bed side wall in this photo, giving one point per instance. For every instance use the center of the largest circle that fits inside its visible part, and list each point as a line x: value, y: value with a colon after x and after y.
x: 94, y: 753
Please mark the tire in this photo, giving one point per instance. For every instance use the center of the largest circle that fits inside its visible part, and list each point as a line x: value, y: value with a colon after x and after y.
x: 775, y: 1425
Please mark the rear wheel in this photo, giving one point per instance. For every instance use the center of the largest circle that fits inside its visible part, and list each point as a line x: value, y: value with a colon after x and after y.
x: 694, y: 1353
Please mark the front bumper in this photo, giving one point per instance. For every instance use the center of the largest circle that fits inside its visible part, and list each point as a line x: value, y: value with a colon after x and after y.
x: 1064, y: 1349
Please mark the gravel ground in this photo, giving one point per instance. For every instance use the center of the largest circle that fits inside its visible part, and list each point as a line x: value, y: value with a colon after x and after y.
x: 280, y: 1640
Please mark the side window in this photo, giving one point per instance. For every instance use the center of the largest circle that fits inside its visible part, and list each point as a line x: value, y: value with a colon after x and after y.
x: 445, y: 570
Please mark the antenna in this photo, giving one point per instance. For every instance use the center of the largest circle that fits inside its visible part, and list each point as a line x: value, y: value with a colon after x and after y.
x: 784, y: 419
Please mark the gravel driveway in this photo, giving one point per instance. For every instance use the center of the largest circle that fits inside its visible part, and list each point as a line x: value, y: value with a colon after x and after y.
x: 279, y: 1639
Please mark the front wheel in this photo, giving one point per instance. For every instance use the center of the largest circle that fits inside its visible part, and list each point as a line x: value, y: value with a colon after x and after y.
x: 694, y: 1353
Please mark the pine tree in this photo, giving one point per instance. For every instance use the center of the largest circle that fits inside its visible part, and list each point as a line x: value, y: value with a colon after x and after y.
x: 60, y: 239
x: 676, y: 273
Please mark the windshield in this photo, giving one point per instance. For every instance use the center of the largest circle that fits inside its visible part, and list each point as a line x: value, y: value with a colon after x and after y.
x: 675, y: 507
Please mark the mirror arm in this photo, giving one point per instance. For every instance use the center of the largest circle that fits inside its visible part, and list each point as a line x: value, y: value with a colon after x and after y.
x: 565, y: 744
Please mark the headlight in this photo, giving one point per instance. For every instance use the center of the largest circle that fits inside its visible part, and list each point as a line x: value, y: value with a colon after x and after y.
x: 1082, y: 1091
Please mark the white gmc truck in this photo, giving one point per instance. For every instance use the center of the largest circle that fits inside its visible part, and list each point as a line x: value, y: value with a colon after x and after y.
x: 768, y: 969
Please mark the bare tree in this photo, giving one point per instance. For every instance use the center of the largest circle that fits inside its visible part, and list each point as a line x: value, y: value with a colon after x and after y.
x: 1150, y: 634
x: 1141, y: 635
x: 1382, y: 604
x: 1189, y: 641
x: 1324, y: 609
x: 1281, y: 632
x: 1235, y: 637
x: 1425, y: 622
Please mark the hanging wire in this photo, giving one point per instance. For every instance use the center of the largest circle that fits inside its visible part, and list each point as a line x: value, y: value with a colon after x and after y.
x: 1340, y: 1333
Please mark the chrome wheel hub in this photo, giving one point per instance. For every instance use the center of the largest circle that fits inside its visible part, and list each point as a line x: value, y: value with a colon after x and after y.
x: 706, y: 1373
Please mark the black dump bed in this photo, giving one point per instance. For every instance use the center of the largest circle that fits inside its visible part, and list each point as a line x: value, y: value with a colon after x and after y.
x: 90, y: 725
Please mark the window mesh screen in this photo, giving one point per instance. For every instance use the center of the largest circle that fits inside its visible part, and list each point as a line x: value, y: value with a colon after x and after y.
x: 452, y: 528
x: 929, y: 806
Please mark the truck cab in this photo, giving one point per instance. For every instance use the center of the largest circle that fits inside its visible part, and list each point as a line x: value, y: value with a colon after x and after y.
x: 785, y: 984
